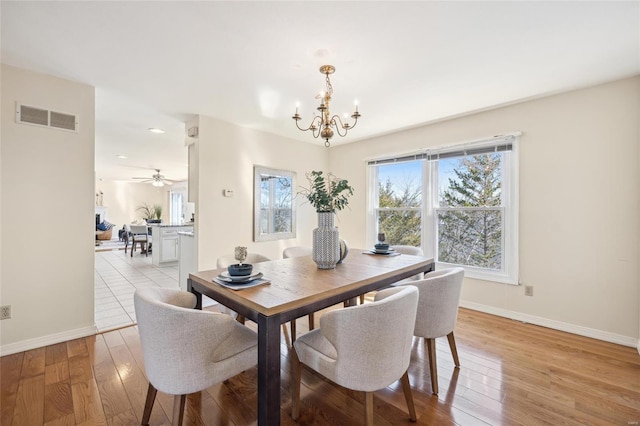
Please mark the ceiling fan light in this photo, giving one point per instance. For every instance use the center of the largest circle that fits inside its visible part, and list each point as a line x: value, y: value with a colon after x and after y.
x: 157, y: 183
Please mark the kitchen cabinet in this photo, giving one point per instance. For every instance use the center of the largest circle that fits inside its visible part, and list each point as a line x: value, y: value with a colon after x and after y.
x: 165, y: 243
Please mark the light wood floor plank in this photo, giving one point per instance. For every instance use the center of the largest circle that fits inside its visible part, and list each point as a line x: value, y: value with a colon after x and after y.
x: 58, y: 402
x: 29, y: 408
x: 10, y: 371
x: 86, y: 403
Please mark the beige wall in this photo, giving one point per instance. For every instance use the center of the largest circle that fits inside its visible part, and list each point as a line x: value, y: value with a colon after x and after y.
x: 226, y: 156
x: 122, y: 199
x: 579, y: 205
x: 47, y: 239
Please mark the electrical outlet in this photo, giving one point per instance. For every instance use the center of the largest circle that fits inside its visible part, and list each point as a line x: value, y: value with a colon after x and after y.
x: 5, y: 312
x: 528, y: 290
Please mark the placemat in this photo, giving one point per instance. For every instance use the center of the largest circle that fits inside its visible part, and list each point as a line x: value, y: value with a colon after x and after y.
x: 242, y: 286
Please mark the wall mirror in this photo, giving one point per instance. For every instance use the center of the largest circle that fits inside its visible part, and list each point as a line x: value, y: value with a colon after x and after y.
x: 274, y: 205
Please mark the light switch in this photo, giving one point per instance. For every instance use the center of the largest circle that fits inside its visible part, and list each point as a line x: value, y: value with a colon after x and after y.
x: 227, y: 192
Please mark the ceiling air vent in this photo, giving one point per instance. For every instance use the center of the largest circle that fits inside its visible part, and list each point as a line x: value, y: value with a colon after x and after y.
x: 43, y: 117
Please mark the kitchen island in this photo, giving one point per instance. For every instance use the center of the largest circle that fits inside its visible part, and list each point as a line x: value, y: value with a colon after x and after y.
x: 165, y: 242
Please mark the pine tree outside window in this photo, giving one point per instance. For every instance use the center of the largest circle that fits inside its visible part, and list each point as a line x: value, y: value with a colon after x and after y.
x: 459, y: 203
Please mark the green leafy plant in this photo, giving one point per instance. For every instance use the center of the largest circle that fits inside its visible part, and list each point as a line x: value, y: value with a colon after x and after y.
x: 327, y: 193
x: 157, y: 211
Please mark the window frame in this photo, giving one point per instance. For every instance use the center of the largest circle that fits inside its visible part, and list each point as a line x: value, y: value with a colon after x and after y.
x: 429, y: 214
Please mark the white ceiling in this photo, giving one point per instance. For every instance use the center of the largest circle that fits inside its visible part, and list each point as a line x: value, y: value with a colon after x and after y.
x: 154, y: 64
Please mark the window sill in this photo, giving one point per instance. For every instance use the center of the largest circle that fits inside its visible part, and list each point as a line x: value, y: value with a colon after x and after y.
x: 481, y: 274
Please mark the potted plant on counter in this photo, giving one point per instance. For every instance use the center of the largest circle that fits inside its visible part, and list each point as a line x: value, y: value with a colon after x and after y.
x: 327, y: 194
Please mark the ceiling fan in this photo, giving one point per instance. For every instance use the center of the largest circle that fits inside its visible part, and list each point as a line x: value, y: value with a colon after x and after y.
x: 156, y: 179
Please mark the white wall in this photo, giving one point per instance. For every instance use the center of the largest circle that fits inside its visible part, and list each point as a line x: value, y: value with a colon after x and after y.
x: 47, y: 220
x: 226, y: 156
x: 579, y: 205
x: 122, y: 199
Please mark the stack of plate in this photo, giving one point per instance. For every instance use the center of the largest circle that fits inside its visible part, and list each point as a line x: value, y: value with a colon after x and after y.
x: 238, y: 279
x: 382, y: 251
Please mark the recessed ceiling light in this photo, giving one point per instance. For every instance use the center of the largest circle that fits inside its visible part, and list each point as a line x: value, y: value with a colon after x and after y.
x: 155, y: 130
x: 121, y: 156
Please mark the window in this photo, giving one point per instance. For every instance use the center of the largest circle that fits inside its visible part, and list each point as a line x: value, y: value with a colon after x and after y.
x: 458, y: 203
x: 176, y: 207
x: 274, y: 215
x: 398, y: 208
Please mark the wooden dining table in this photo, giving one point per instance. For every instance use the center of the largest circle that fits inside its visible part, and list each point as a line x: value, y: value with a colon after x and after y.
x: 295, y: 288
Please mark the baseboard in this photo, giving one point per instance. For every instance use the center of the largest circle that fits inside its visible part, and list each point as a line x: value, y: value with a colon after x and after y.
x: 51, y: 339
x: 556, y: 325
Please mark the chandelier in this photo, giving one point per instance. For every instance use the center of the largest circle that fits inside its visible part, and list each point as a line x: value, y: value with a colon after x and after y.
x: 323, y: 125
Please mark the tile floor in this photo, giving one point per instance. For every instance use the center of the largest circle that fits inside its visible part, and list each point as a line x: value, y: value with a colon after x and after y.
x: 117, y: 276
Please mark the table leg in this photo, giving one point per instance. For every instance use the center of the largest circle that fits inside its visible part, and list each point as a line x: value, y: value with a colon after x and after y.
x: 197, y: 294
x: 268, y: 371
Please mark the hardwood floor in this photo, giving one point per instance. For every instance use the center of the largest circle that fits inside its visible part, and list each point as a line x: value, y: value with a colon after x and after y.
x: 511, y: 374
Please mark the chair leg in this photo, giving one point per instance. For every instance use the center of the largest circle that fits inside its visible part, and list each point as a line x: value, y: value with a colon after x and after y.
x: 287, y: 338
x: 292, y: 325
x: 368, y: 408
x: 431, y: 350
x: 408, y: 396
x: 148, y: 405
x: 454, y: 350
x: 312, y: 323
x: 362, y: 299
x: 178, y: 409
x: 296, y: 373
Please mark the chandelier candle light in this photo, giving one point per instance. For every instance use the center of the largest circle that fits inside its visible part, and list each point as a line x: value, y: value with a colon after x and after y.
x: 323, y: 125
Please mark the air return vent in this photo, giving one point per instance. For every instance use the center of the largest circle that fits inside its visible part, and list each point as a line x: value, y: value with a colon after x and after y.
x: 43, y: 117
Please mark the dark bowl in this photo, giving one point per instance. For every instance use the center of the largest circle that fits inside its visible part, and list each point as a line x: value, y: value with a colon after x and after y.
x: 238, y: 270
x: 382, y: 246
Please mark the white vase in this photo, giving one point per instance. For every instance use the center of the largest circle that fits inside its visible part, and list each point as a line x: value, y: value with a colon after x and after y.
x: 326, y: 242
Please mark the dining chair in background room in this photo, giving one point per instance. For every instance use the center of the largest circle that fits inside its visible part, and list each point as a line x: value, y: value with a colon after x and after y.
x: 363, y: 348
x: 287, y: 253
x: 438, y: 313
x: 187, y: 350
x: 127, y: 236
x: 139, y: 235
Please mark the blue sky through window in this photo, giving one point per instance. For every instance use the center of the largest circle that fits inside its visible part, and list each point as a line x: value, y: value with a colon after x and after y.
x: 400, y: 173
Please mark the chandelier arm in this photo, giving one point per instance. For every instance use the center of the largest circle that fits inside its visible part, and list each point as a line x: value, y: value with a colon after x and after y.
x: 355, y: 121
x: 310, y: 125
x: 340, y: 126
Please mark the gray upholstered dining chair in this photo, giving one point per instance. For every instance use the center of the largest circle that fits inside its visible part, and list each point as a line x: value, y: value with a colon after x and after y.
x: 413, y: 251
x: 438, y: 313
x: 186, y: 350
x: 230, y: 259
x: 296, y: 251
x: 139, y: 235
x: 363, y: 348
x: 287, y: 253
